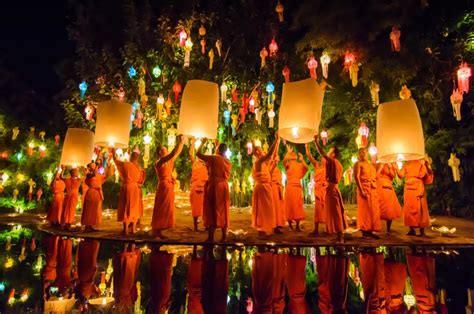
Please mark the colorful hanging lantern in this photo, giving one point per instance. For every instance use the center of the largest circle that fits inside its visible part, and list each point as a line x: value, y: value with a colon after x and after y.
x: 286, y: 73
x: 270, y: 88
x: 324, y: 137
x: 202, y: 30
x: 234, y: 93
x: 464, y: 73
x: 160, y: 100
x: 121, y: 93
x: 395, y: 39
x: 312, y: 65
x: 29, y: 151
x: 132, y: 72
x: 220, y: 134
x: 279, y: 9
x: 373, y: 153
x: 176, y: 91
x: 354, y: 73
x: 273, y: 47
x: 325, y: 60
x: 42, y: 151
x: 224, y: 89
x: 226, y: 117
x: 211, y: 58
x: 252, y: 105
x: 182, y: 37
x: 374, y: 93
x: 57, y: 138
x: 454, y: 163
x: 219, y: 47
x: 249, y: 148
x: 146, y: 157
x: 349, y: 59
x: 258, y: 116
x: 171, y: 138
x: 156, y: 71
x: 235, y: 122
x: 89, y: 111
x: 404, y: 93
x: 456, y: 101
x: 187, y: 51
x: 364, y: 134
x: 168, y: 104
x: 203, y: 45
x: 271, y: 117
x: 263, y: 57
x: 83, y: 88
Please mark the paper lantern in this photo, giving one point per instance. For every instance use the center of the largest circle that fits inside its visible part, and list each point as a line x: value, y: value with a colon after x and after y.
x: 399, y: 132
x: 198, y: 115
x: 300, y: 110
x: 78, y: 147
x: 113, y: 123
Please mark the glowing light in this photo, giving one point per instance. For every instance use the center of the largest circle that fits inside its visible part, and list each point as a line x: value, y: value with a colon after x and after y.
x: 400, y: 159
x: 197, y: 143
x: 2, y: 287
x: 132, y: 72
x: 104, y: 301
x: 354, y: 159
x: 156, y: 71
x: 273, y: 47
x: 5, y: 178
x: 228, y: 153
x: 147, y: 139
x: 83, y: 88
x: 8, y: 263
x: 19, y: 156
x: 295, y: 132
x: 182, y: 37
x: 409, y: 300
x: 270, y: 88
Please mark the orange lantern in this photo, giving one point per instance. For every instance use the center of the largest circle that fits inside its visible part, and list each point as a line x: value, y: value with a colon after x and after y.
x: 113, y: 123
x: 78, y: 147
x: 176, y: 91
x: 464, y: 73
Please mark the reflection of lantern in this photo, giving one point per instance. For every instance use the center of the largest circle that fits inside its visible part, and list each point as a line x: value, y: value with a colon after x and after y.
x: 364, y: 134
x: 182, y: 37
x: 273, y: 47
x: 464, y: 73
x: 300, y: 108
x: 113, y: 123
x: 312, y: 65
x: 286, y: 73
x: 373, y: 152
x: 399, y: 132
x: 325, y: 60
x: 146, y: 157
x: 198, y: 116
x: 324, y: 137
x: 78, y: 147
x: 176, y: 91
x: 279, y: 9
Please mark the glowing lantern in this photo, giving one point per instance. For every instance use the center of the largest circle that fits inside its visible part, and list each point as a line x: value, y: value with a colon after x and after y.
x: 263, y: 57
x: 42, y: 151
x: 395, y: 39
x: 146, y: 157
x: 83, y: 88
x: 203, y: 45
x: 5, y: 178
x: 286, y: 73
x: 182, y: 37
x: 211, y: 58
x: 156, y: 71
x: 374, y: 93
x: 202, y: 30
x: 226, y: 117
x: 464, y: 73
x: 404, y: 93
x: 78, y: 147
x: 132, y: 72
x: 160, y: 100
x: 373, y: 152
x: 89, y: 111
x: 364, y: 134
x: 454, y: 163
x: 324, y: 137
x: 325, y: 60
x: 252, y: 105
x: 270, y: 88
x: 279, y: 9
x: 29, y: 151
x: 168, y: 105
x: 219, y: 47
x: 456, y: 101
x: 354, y: 159
x: 187, y: 51
x: 113, y: 123
x: 399, y: 132
x: 249, y: 148
x: 224, y: 89
x: 312, y: 65
x: 300, y: 110
x: 273, y: 47
x: 228, y: 153
x: 271, y: 117
x: 198, y: 116
x: 349, y: 59
x: 354, y: 74
x: 176, y: 91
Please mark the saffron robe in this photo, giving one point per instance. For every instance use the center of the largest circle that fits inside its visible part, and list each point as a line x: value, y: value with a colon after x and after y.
x: 395, y: 277
x: 279, y: 282
x: 415, y: 205
x: 64, y: 264
x: 263, y: 272
x: 332, y: 283
x: 278, y: 200
x: 161, y: 267
x: 125, y: 278
x: 92, y: 212
x: 56, y: 208
x: 335, y: 216
x: 87, y: 267
x: 422, y: 275
x: 320, y: 185
x: 199, y: 178
x: 263, y: 212
x: 163, y: 211
x: 215, y: 285
x: 129, y: 204
x: 193, y: 285
x: 295, y: 171
x: 390, y: 208
x: 71, y: 199
x: 296, y: 284
x: 373, y: 281
x: 368, y: 211
x: 50, y: 243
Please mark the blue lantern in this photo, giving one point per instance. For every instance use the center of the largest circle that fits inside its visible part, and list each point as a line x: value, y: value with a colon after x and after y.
x: 132, y: 72
x: 83, y: 88
x: 270, y: 89
x: 226, y: 117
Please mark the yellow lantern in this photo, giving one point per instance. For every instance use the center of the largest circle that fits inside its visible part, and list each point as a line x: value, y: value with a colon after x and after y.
x: 198, y: 115
x: 300, y: 110
x: 78, y: 147
x: 113, y: 123
x: 399, y: 132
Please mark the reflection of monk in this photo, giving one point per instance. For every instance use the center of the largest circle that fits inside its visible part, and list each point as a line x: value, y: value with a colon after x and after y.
x: 395, y: 277
x: 51, y: 255
x: 373, y: 281
x: 332, y: 283
x: 63, y: 279
x: 422, y: 275
x: 161, y: 266
x: 126, y: 265
x: 86, y: 268
x: 296, y: 283
x: 263, y: 269
x: 193, y: 285
x: 279, y: 283
x: 215, y: 282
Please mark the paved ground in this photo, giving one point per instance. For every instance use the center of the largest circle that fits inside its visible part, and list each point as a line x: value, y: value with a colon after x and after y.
x: 240, y: 223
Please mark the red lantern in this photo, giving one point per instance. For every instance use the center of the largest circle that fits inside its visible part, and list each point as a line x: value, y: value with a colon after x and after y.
x: 273, y: 47
x: 89, y: 112
x: 364, y: 134
x: 312, y: 65
x: 464, y: 73
x: 234, y: 94
x: 286, y: 73
x: 349, y: 59
x: 182, y: 37
x: 176, y: 91
x: 29, y: 151
x: 56, y: 139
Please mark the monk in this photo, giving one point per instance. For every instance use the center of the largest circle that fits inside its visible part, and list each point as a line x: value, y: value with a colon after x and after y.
x: 263, y: 210
x: 194, y: 284
x: 263, y: 271
x: 56, y: 208
x: 395, y: 277
x: 126, y: 265
x: 129, y: 207
x: 199, y: 178
x: 163, y: 211
x: 422, y: 274
x: 390, y: 208
x: 373, y: 281
x: 215, y: 281
x: 320, y: 185
x: 73, y: 183
x: 86, y: 269
x: 64, y: 265
x: 92, y: 212
x: 216, y: 195
x: 368, y: 211
x: 415, y: 206
x: 161, y: 267
x: 279, y: 282
x: 296, y: 284
x: 296, y: 169
x: 277, y: 189
x: 335, y: 216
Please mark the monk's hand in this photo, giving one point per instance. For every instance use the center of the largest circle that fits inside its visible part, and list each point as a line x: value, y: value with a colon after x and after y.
x: 363, y: 194
x: 204, y: 141
x: 422, y: 161
x: 180, y: 138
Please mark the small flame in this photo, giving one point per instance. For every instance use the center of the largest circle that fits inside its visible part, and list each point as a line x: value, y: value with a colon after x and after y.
x: 295, y: 132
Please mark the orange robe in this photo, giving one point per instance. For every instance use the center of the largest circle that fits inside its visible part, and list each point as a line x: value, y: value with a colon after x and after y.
x: 320, y: 185
x: 395, y: 277
x: 215, y: 285
x: 71, y: 199
x: 295, y: 171
x: 373, y: 281
x: 278, y: 200
x: 368, y: 211
x: 390, y: 208
x: 163, y: 211
x: 335, y: 217
x: 193, y: 285
x: 296, y: 284
x: 125, y: 277
x: 129, y: 206
x: 87, y: 267
x: 56, y: 208
x: 63, y: 279
x: 142, y: 180
x: 263, y: 271
x: 279, y: 283
x: 332, y: 283
x: 263, y: 213
x: 422, y: 275
x: 161, y: 266
x: 199, y: 178
x: 92, y: 211
x: 216, y: 195
x: 415, y: 205
x: 84, y: 189
x: 50, y: 243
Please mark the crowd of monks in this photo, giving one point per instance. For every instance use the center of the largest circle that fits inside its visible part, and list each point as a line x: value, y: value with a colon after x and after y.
x: 273, y: 205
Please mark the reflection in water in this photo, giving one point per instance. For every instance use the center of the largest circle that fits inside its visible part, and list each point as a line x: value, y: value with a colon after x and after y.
x: 125, y: 270
x: 161, y: 266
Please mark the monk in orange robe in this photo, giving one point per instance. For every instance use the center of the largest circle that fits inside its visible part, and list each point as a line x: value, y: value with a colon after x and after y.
x: 199, y: 178
x: 129, y: 206
x: 279, y: 282
x: 161, y: 266
x: 277, y: 189
x: 126, y: 265
x: 335, y: 216
x: 395, y: 277
x: 163, y: 211
x: 50, y: 243
x: 193, y: 284
x: 373, y: 281
x: 368, y: 211
x: 216, y: 195
x: 56, y: 209
x: 415, y: 206
x: 390, y: 208
x: 64, y: 264
x: 263, y: 211
x: 215, y: 282
x: 296, y: 284
x: 320, y: 185
x: 86, y: 269
x: 296, y: 169
x: 422, y: 275
x: 73, y: 182
x: 92, y: 211
x: 263, y: 271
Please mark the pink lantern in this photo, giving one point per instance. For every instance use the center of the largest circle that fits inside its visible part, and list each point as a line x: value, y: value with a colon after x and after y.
x: 364, y: 134
x: 464, y: 73
x: 286, y: 73
x: 373, y: 153
x: 349, y: 59
x: 249, y: 306
x: 324, y: 137
x: 312, y: 65
x: 182, y: 37
x: 273, y: 47
x: 249, y: 148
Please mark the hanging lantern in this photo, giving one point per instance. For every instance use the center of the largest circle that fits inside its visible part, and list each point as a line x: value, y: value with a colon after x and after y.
x: 160, y: 100
x: 263, y: 57
x: 464, y: 73
x: 202, y: 30
x: 187, y: 51
x: 89, y: 111
x: 121, y: 93
x: 374, y: 93
x: 312, y: 65
x: 252, y: 105
x: 182, y: 37
x: 354, y: 74
x: 454, y: 163
x: 234, y: 93
x: 404, y: 93
x: 273, y: 47
x: 349, y: 59
x: 395, y: 39
x: 113, y: 123
x: 399, y: 132
x: 364, y: 134
x: 270, y: 88
x: 258, y: 116
x: 199, y: 112
x: 211, y: 58
x: 219, y: 47
x: 373, y: 153
x: 235, y: 122
x: 203, y: 45
x: 156, y: 71
x: 146, y: 157
x: 456, y: 101
x: 220, y: 134
x: 325, y: 60
x: 83, y: 88
x: 168, y: 105
x: 78, y: 147
x: 224, y: 89
x: 57, y: 138
x: 132, y: 72
x: 249, y: 148
x: 29, y: 151
x: 300, y: 110
x: 324, y: 137
x: 226, y: 117
x: 279, y: 10
x: 171, y: 138
x: 286, y: 73
x: 176, y: 91
x: 42, y: 151
x: 271, y: 117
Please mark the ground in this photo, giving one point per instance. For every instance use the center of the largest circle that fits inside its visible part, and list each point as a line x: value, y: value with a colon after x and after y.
x: 240, y: 231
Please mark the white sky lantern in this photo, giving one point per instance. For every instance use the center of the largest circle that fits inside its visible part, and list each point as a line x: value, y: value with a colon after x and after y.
x: 300, y: 110
x: 199, y: 111
x: 399, y: 132
x: 113, y: 123
x: 78, y: 147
